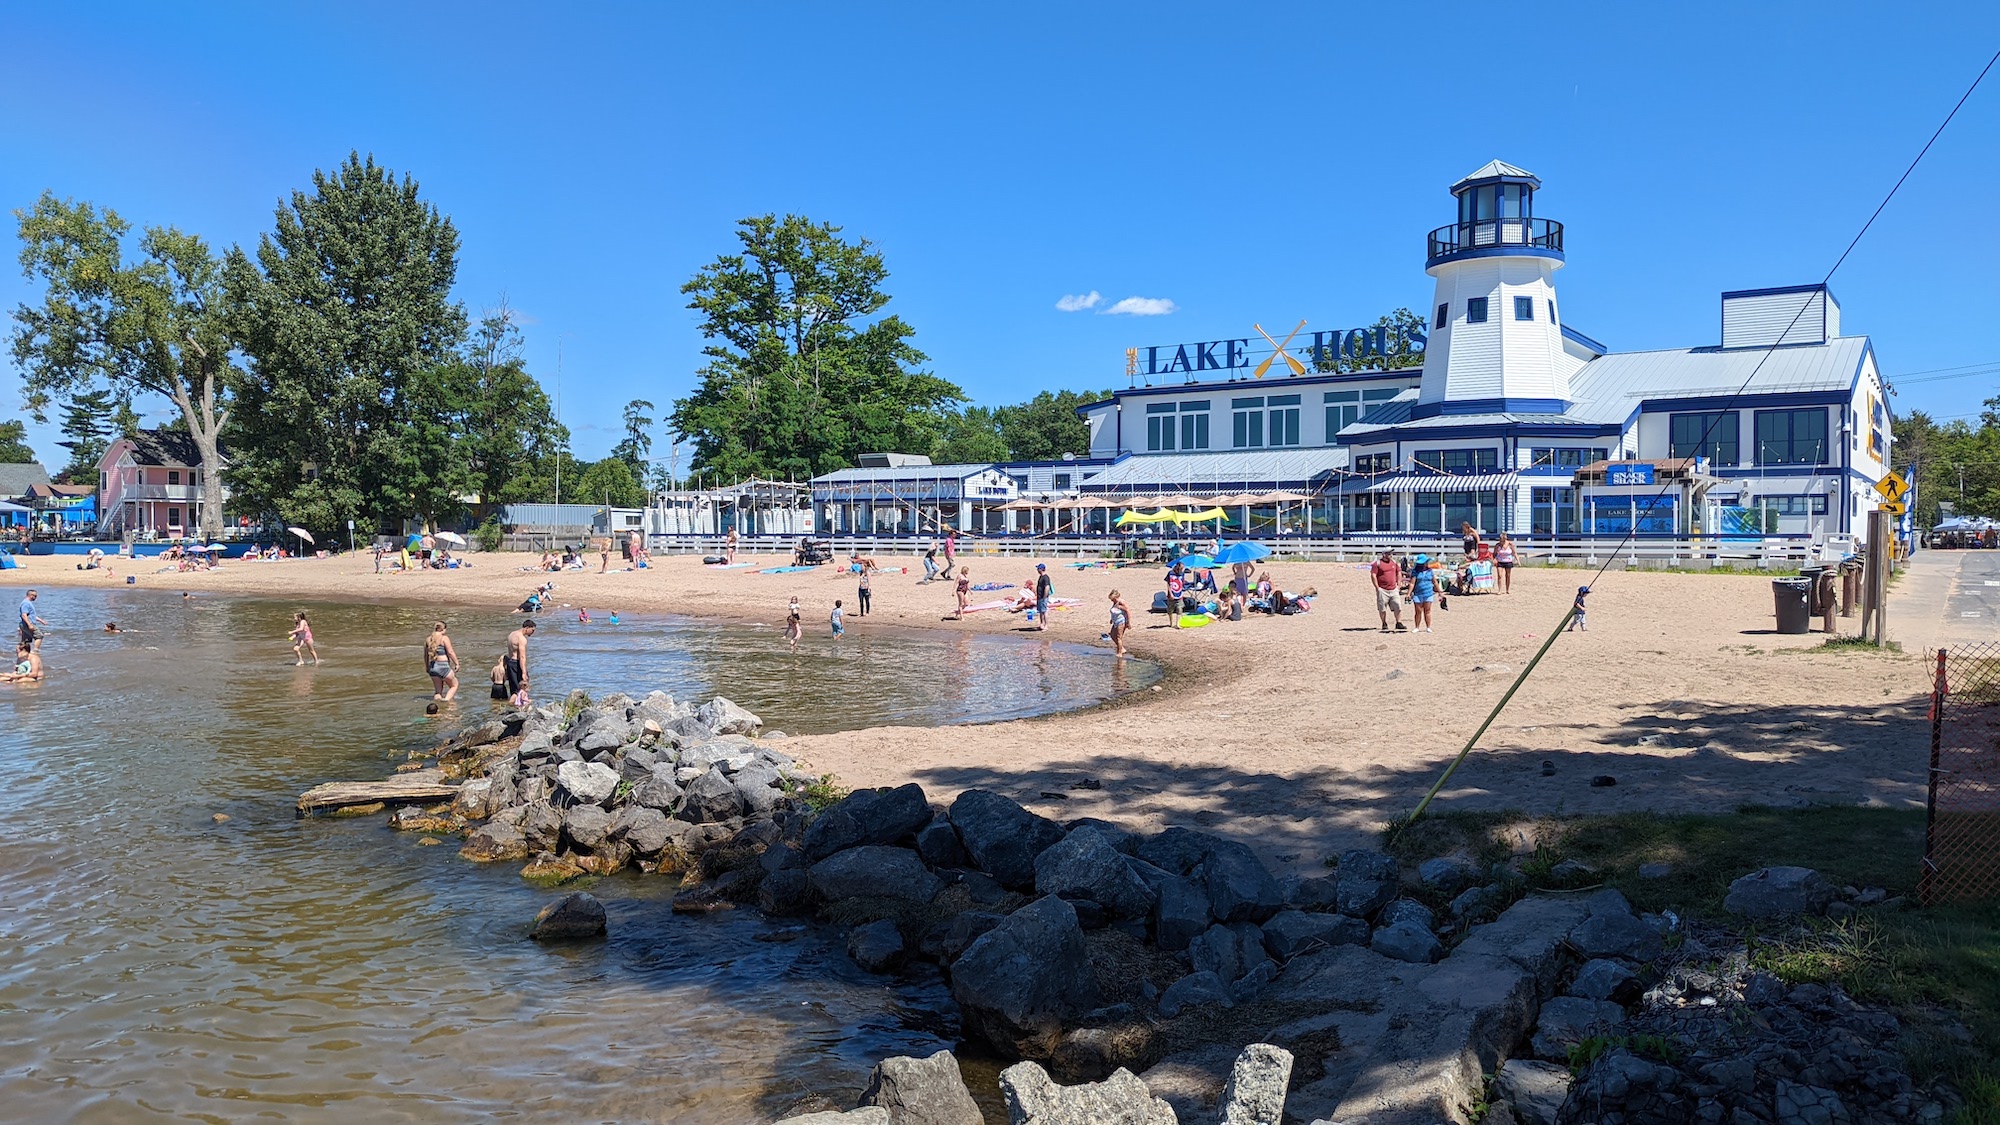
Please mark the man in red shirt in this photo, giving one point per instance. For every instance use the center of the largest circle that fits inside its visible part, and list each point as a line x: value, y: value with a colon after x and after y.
x: 1388, y: 590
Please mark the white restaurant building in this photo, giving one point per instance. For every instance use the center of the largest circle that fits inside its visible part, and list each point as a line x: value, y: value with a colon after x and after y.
x: 1516, y: 421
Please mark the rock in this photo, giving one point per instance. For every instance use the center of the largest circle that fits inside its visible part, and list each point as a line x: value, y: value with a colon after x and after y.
x: 1406, y: 910
x: 471, y: 798
x: 1570, y: 873
x: 1002, y: 837
x: 948, y: 939
x: 1033, y: 1098
x: 606, y: 734
x: 1180, y: 915
x: 922, y: 1091
x: 867, y: 1115
x: 1621, y: 1086
x: 1779, y: 892
x: 1228, y: 951
x: 1083, y: 864
x: 1016, y: 983
x: 866, y: 816
x: 877, y: 946
x: 1368, y: 882
x: 1124, y: 840
x: 1321, y: 892
x: 1256, y: 1091
x: 1477, y: 902
x: 1655, y: 870
x: 710, y: 799
x: 1568, y: 1020
x: 873, y: 871
x: 1603, y: 979
x: 495, y: 843
x: 1178, y: 850
x: 785, y: 892
x: 646, y: 829
x: 724, y: 717
x: 1246, y: 987
x: 938, y: 846
x: 590, y: 783
x: 1239, y: 888
x: 1535, y: 1090
x: 1616, y: 935
x: 587, y: 826
x: 542, y: 825
x: 1292, y: 932
x: 1407, y: 941
x: 658, y: 791
x: 1448, y: 874
x: 568, y: 918
x: 1610, y: 900
x: 1795, y: 1103
x: 1194, y: 990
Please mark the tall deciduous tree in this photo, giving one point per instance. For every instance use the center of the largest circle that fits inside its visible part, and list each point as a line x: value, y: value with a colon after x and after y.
x: 511, y: 437
x: 803, y: 372
x: 152, y: 325
x: 347, y: 320
x: 610, y: 481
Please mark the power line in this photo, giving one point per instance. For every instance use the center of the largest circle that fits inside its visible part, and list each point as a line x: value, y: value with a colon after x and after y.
x: 1714, y: 421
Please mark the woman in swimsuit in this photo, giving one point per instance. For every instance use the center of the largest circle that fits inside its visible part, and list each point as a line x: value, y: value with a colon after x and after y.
x: 1503, y: 561
x: 963, y: 590
x: 441, y: 661
x: 302, y: 640
x: 1121, y: 619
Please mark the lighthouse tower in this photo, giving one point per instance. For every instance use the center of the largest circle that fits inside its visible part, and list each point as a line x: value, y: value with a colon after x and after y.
x: 1495, y: 343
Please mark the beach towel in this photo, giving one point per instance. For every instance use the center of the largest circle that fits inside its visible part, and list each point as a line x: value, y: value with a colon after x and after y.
x: 785, y: 569
x: 992, y: 586
x: 977, y: 607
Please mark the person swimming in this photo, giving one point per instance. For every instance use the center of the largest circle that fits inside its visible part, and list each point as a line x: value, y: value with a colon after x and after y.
x: 614, y: 617
x: 583, y: 617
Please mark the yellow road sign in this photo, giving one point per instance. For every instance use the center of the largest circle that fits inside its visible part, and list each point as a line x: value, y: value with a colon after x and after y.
x: 1892, y: 485
x: 1894, y: 507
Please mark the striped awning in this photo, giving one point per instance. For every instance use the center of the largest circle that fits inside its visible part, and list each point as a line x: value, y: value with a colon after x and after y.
x: 1438, y: 482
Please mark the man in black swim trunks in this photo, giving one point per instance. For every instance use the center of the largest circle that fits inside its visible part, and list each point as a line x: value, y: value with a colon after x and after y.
x: 515, y: 663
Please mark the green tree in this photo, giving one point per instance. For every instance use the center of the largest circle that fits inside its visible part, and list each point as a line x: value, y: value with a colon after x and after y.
x: 609, y: 481
x: 803, y: 372
x: 510, y: 435
x: 351, y: 333
x: 153, y: 325
x: 970, y: 436
x: 89, y: 420
x: 1401, y: 327
x: 637, y: 443
x: 1046, y: 427
x: 14, y: 448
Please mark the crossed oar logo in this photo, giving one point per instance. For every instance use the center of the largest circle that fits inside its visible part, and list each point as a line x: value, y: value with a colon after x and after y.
x: 1278, y: 351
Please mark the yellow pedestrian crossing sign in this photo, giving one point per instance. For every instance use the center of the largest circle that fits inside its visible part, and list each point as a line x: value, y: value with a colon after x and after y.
x: 1892, y: 486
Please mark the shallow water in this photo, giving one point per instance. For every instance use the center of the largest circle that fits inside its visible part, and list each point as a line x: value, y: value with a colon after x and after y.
x: 155, y: 964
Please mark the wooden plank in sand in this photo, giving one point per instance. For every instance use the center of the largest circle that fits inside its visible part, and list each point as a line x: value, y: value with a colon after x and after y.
x: 401, y: 789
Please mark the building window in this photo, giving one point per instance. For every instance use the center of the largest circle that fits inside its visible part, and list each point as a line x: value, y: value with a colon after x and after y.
x: 1372, y: 464
x: 1194, y: 424
x: 173, y: 476
x: 1426, y: 511
x: 1791, y: 437
x: 1553, y: 511
x: 1566, y: 457
x: 1062, y: 482
x: 1460, y: 460
x: 1284, y: 422
x: 1552, y: 312
x: 1475, y: 311
x: 173, y: 517
x: 1343, y: 408
x: 1444, y: 314
x: 1159, y: 427
x: 1712, y: 435
x: 1378, y: 396
x: 1524, y: 308
x: 1793, y: 505
x: 1247, y: 415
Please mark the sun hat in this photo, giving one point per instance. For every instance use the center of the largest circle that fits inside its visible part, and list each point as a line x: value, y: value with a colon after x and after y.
x: 1422, y: 559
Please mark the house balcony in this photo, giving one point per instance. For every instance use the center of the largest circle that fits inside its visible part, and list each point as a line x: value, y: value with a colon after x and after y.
x: 1482, y: 238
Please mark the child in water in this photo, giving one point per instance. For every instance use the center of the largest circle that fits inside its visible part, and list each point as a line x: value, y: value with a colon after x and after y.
x: 583, y: 617
x: 499, y: 689
x: 793, y: 627
x: 1576, y: 622
x: 302, y: 640
x: 614, y: 617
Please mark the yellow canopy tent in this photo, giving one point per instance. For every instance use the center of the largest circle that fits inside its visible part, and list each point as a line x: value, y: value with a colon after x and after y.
x: 1170, y: 515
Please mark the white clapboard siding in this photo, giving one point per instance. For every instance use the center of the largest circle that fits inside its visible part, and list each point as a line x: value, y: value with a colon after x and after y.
x: 1759, y: 318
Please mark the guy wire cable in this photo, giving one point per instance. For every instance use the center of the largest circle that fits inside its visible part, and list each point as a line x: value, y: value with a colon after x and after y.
x: 1529, y: 669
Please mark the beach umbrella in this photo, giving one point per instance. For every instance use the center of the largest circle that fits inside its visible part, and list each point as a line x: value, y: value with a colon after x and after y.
x: 301, y: 533
x: 451, y: 537
x: 413, y: 542
x: 1197, y: 561
x: 195, y: 548
x: 1242, y: 551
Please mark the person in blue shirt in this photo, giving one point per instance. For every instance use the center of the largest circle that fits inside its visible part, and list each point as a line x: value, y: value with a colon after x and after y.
x: 1423, y: 591
x: 1576, y: 622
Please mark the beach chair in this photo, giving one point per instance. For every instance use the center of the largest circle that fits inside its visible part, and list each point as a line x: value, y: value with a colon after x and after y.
x: 1479, y: 578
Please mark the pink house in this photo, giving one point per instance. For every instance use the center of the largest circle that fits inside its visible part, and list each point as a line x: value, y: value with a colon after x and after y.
x: 151, y: 483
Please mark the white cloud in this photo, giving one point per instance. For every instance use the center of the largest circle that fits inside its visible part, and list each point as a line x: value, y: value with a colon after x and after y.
x: 1141, y: 306
x: 1077, y: 302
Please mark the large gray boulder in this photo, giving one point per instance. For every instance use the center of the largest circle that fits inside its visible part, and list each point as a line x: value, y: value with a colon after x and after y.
x: 938, y: 844
x: 1229, y: 951
x: 647, y: 830
x: 866, y: 1115
x: 724, y: 717
x: 1368, y: 881
x: 876, y: 946
x: 589, y: 783
x: 866, y: 816
x: 922, y: 1091
x: 1179, y: 850
x: 873, y: 871
x: 1292, y: 932
x: 1616, y: 935
x: 1448, y: 874
x: 1406, y: 910
x: 1536, y: 1090
x: 1017, y: 982
x: 1239, y: 888
x: 587, y: 826
x: 759, y: 785
x: 1779, y: 892
x: 1194, y: 990
x: 1180, y: 915
x: 1568, y: 1020
x: 1002, y: 838
x: 1033, y: 1098
x: 658, y: 790
x: 495, y: 843
x: 570, y: 917
x: 711, y: 799
x: 1407, y: 941
x: 1084, y: 864
x: 1255, y: 1094
x: 542, y: 825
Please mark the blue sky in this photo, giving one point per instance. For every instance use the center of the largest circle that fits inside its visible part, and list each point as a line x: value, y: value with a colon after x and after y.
x: 1246, y: 164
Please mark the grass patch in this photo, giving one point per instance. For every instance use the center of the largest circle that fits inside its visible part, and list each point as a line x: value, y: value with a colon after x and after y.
x: 821, y: 792
x: 1937, y: 969
x: 1855, y: 644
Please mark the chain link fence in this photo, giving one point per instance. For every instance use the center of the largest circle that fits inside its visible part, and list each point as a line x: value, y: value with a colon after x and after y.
x: 1962, y: 832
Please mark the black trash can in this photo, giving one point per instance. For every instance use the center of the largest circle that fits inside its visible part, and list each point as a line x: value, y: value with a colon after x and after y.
x: 1794, y: 597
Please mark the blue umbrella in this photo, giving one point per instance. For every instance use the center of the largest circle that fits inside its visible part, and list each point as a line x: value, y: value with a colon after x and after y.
x: 413, y: 542
x: 1195, y: 561
x: 1242, y: 551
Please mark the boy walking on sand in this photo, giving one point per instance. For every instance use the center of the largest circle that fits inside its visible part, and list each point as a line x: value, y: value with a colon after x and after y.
x: 835, y: 619
x: 1576, y: 623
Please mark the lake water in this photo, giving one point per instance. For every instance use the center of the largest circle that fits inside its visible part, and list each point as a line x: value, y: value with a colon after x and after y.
x: 157, y: 965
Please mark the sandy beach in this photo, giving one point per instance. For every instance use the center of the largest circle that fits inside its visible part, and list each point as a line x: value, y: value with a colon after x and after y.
x: 1300, y: 734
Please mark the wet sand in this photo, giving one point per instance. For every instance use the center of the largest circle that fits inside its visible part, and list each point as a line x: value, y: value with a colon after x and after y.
x: 1300, y: 735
